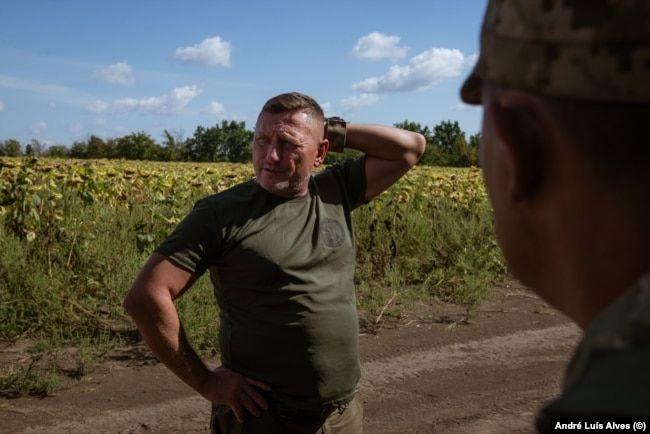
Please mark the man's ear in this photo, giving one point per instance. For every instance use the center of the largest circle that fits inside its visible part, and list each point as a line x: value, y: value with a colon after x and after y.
x: 521, y: 130
x: 323, y: 146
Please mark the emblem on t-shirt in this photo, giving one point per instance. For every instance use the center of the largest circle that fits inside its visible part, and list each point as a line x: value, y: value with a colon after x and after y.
x: 332, y: 232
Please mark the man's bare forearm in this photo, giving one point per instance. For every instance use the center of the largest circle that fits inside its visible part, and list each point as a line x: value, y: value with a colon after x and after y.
x: 387, y: 143
x: 390, y: 153
x: 150, y: 302
x: 163, y: 332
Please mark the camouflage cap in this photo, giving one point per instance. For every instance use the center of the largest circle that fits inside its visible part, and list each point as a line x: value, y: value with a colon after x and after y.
x: 589, y: 50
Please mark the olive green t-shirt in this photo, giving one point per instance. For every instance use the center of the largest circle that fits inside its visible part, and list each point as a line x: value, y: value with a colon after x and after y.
x: 283, y: 272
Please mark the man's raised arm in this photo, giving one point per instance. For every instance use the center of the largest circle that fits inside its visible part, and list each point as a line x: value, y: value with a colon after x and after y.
x: 390, y: 153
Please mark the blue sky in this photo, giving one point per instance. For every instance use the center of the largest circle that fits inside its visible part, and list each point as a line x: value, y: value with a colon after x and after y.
x: 73, y: 68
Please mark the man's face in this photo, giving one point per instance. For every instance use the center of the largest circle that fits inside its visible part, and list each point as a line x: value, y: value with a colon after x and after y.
x: 286, y: 147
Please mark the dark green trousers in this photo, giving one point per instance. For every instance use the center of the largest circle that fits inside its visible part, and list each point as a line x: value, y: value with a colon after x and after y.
x: 346, y: 420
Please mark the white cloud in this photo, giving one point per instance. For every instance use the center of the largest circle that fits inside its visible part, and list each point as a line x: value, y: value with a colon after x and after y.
x: 119, y: 73
x: 38, y: 127
x: 470, y: 61
x: 379, y: 46
x: 423, y: 71
x: 171, y: 103
x: 98, y: 106
x: 2, y: 106
x: 208, y: 54
x: 214, y: 108
x: 359, y: 100
x: 76, y: 129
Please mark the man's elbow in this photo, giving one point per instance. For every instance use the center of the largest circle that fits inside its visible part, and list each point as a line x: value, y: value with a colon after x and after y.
x: 137, y: 301
x: 131, y: 302
x: 416, y: 147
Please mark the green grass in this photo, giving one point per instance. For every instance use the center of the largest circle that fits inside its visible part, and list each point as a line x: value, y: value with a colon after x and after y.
x: 408, y: 254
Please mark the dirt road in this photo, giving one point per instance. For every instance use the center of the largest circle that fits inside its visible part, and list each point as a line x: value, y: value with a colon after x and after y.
x: 427, y: 374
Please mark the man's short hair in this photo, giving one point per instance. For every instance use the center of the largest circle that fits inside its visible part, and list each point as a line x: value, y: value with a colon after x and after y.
x: 294, y: 101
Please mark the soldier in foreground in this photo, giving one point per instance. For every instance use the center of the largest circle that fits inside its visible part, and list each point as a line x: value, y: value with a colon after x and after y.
x: 565, y: 152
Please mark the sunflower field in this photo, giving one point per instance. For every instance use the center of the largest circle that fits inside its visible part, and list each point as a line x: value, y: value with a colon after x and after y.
x: 74, y: 233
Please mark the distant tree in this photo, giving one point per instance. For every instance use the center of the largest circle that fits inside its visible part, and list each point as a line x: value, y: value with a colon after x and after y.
x: 109, y: 149
x: 461, y: 155
x: 172, y: 146
x: 237, y: 142
x: 10, y: 148
x: 452, y: 145
x: 34, y: 148
x: 79, y: 150
x: 94, y: 147
x: 474, y: 142
x: 464, y: 154
x: 56, y: 151
x: 137, y: 146
x: 446, y: 134
x: 98, y: 148
x: 230, y: 141
x: 202, y: 146
x: 432, y: 156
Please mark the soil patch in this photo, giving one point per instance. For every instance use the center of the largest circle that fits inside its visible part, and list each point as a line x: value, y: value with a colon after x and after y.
x: 429, y: 373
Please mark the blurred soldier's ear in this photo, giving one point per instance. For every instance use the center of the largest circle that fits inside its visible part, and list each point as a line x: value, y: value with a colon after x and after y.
x: 523, y: 132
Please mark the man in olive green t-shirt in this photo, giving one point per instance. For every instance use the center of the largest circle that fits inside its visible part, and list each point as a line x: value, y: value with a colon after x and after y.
x: 280, y: 252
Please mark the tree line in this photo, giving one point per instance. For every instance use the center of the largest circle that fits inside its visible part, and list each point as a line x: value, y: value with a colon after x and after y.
x: 230, y: 141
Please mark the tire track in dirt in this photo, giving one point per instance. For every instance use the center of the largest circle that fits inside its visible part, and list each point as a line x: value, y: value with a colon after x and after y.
x: 492, y: 385
x: 523, y: 347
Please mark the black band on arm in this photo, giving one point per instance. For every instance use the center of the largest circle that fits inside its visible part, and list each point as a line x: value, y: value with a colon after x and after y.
x: 336, y: 130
